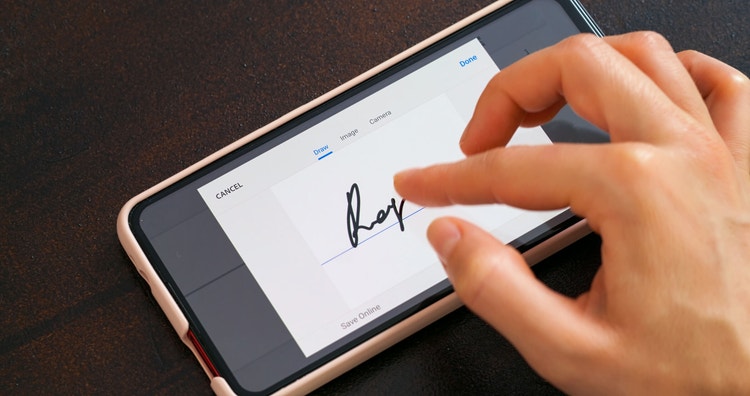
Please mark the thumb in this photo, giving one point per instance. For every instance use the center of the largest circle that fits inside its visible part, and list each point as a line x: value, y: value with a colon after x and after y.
x: 493, y: 280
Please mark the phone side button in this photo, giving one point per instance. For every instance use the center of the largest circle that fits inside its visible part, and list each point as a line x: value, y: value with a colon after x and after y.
x: 143, y: 275
x: 141, y: 272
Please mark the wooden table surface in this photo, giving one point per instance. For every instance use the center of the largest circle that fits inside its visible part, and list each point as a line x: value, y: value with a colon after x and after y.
x: 100, y: 101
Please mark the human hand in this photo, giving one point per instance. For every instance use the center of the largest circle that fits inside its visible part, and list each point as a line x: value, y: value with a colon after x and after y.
x: 669, y: 309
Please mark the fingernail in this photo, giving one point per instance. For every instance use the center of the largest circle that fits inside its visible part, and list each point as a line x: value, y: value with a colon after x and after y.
x: 462, y: 141
x: 404, y: 173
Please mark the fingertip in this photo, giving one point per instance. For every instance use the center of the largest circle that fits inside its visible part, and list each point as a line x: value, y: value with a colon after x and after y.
x: 401, y: 180
x: 398, y: 179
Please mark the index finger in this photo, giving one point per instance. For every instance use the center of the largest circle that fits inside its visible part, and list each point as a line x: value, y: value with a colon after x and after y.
x: 598, y: 82
x: 543, y: 177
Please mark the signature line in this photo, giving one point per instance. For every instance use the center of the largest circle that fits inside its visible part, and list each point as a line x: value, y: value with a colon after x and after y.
x: 370, y: 237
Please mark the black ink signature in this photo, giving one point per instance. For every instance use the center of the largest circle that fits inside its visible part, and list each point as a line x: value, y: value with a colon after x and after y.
x: 352, y: 215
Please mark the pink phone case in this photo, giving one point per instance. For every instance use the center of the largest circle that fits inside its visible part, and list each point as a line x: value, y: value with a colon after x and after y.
x: 372, y: 346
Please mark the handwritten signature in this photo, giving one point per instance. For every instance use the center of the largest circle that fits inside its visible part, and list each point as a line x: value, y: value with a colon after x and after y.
x: 352, y: 215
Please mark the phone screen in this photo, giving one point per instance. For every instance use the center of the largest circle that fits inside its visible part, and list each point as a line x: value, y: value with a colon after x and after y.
x: 295, y: 248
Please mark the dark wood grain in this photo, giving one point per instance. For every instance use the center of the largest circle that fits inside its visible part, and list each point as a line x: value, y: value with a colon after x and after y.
x: 99, y: 102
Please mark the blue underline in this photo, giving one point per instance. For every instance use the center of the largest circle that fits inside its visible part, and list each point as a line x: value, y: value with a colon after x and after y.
x: 370, y: 237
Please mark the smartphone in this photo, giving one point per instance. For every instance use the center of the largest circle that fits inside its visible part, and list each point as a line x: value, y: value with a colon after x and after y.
x: 287, y: 258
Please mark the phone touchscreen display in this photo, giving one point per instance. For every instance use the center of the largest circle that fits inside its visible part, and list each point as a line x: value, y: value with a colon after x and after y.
x: 296, y: 247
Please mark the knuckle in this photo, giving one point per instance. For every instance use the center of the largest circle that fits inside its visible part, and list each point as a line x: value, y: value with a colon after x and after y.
x: 490, y: 160
x: 633, y: 163
x: 650, y: 40
x: 690, y: 54
x: 582, y: 46
x: 737, y: 84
